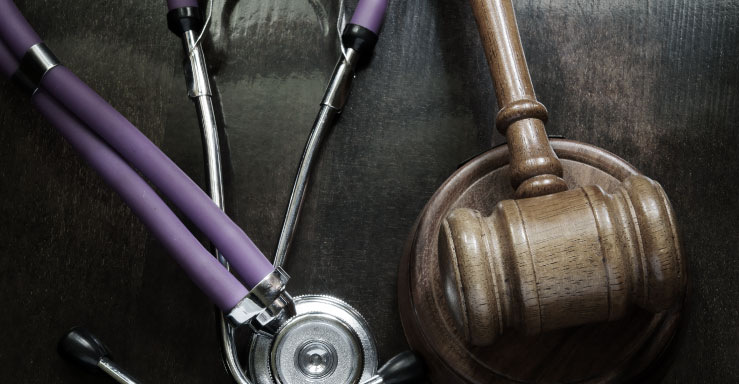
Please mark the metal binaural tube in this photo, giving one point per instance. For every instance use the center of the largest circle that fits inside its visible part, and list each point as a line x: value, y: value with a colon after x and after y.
x: 211, y: 151
x: 99, y: 116
x: 333, y: 102
x: 358, y: 41
x: 323, y: 122
x: 339, y: 86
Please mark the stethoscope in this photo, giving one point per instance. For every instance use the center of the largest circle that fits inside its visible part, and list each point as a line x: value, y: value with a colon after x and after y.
x: 305, y: 339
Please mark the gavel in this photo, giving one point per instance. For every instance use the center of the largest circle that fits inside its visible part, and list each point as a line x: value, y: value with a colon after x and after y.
x: 560, y: 260
x: 551, y: 258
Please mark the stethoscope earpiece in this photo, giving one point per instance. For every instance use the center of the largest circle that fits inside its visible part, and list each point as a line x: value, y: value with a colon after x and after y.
x: 82, y: 347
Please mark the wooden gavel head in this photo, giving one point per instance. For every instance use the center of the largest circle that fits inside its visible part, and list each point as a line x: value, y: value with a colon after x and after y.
x: 561, y: 260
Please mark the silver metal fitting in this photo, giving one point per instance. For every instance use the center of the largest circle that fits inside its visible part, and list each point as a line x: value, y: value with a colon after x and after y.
x: 339, y: 86
x: 275, y: 315
x: 34, y: 65
x: 266, y: 305
x: 196, y: 71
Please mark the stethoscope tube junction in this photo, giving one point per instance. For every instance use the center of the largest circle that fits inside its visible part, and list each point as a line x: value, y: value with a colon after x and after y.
x: 307, y: 339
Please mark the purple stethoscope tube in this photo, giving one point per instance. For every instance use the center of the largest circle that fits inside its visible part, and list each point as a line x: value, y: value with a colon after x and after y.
x: 246, y: 259
x: 203, y: 269
x: 369, y: 14
x: 15, y: 30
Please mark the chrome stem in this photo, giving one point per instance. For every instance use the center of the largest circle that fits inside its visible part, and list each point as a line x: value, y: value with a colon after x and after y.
x: 198, y: 87
x: 333, y: 102
x: 114, y: 371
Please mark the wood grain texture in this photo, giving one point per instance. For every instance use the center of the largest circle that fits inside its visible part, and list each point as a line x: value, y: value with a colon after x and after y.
x: 547, y: 260
x: 572, y: 258
x: 535, y: 169
x: 654, y: 82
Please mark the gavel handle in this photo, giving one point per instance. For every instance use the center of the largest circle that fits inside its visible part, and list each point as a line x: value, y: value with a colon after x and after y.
x: 535, y: 169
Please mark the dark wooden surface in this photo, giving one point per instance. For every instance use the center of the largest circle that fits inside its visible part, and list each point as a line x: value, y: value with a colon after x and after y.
x: 654, y: 82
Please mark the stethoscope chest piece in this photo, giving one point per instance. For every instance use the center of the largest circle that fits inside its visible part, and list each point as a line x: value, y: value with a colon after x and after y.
x: 327, y: 342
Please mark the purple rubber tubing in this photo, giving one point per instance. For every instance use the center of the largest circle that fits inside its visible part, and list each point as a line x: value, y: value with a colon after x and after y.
x: 174, y: 4
x: 245, y: 258
x: 202, y: 268
x: 370, y: 14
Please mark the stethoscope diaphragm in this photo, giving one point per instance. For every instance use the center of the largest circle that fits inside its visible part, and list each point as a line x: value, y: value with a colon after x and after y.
x: 326, y: 342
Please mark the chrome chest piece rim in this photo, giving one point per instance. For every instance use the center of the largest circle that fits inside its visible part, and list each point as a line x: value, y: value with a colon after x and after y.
x: 326, y: 342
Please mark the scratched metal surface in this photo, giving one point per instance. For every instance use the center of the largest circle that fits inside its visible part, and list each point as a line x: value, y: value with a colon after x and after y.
x: 655, y: 82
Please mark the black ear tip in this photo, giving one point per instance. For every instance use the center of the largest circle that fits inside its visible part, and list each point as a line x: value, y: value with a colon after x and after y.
x: 81, y: 346
x: 406, y: 367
